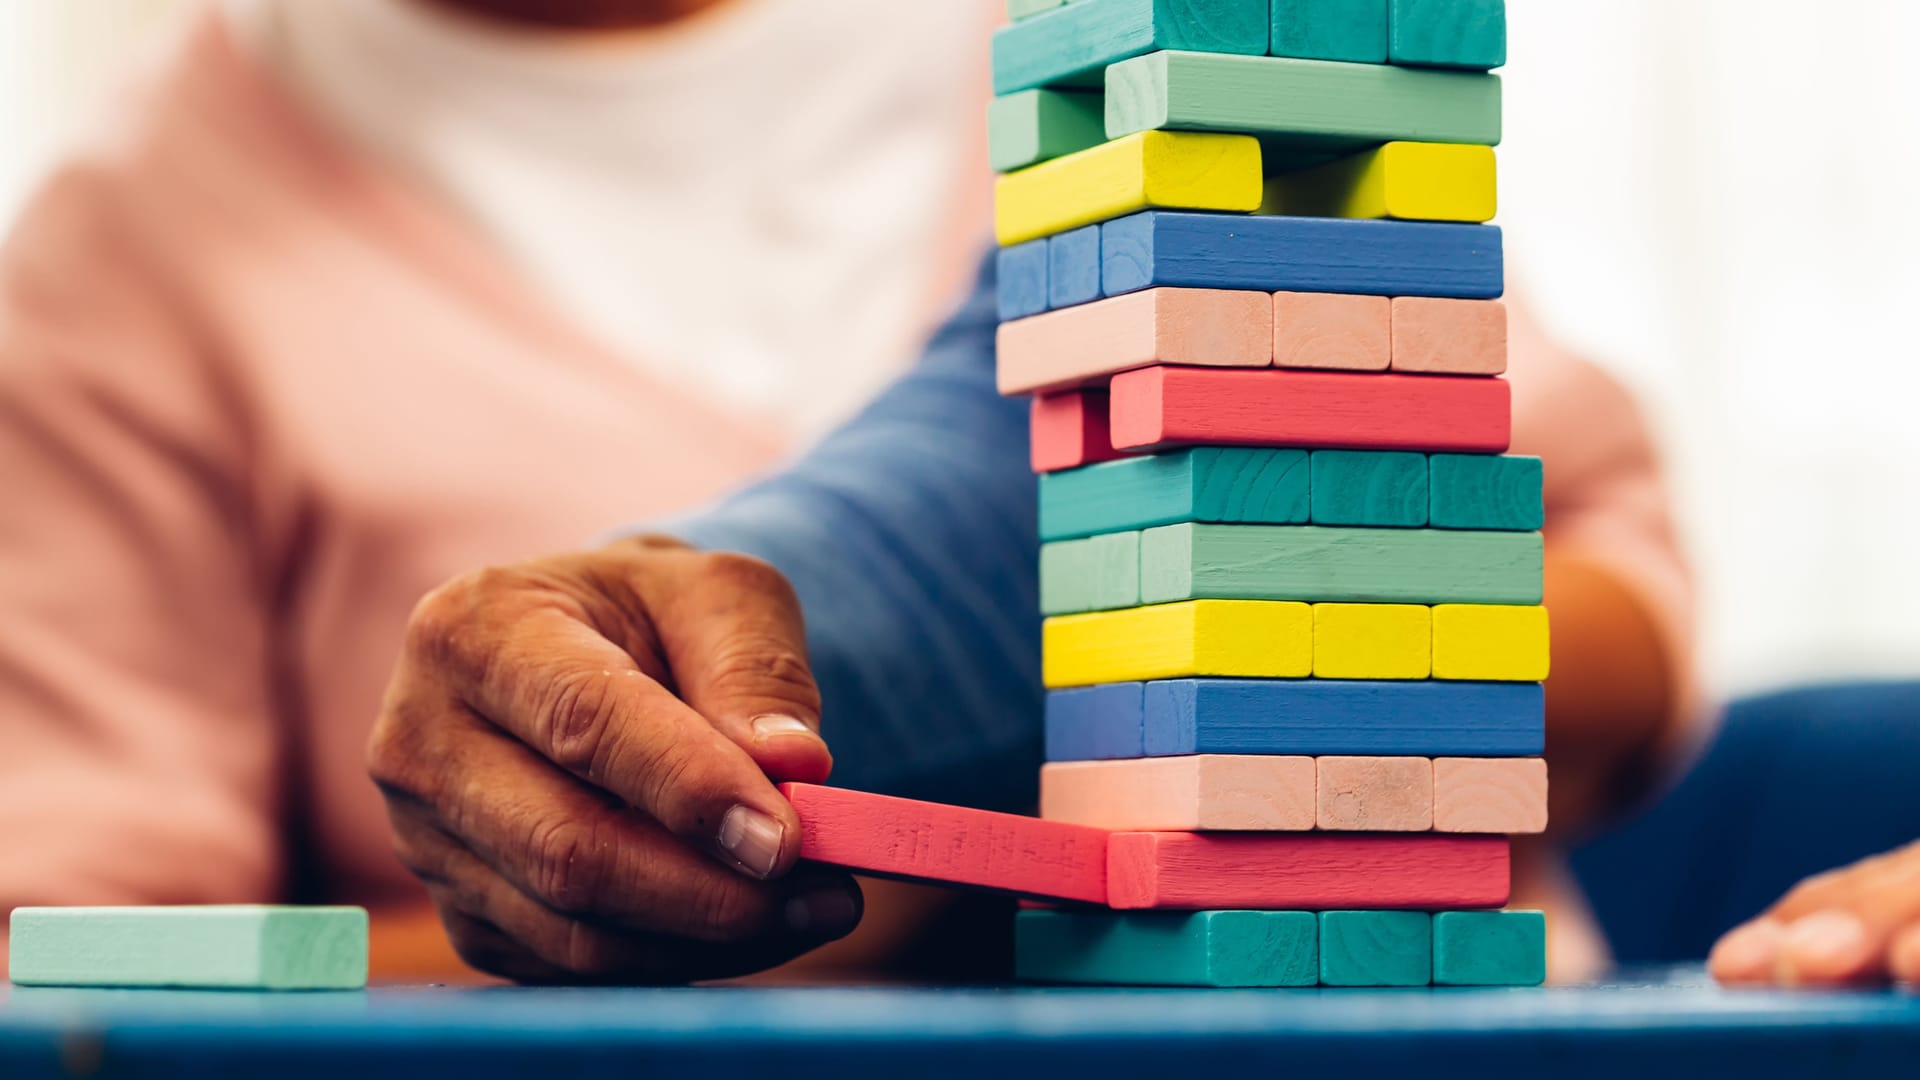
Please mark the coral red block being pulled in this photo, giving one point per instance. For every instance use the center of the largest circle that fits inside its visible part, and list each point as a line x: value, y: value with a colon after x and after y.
x: 953, y: 845
x: 1070, y: 430
x: 1176, y: 406
x: 1305, y: 871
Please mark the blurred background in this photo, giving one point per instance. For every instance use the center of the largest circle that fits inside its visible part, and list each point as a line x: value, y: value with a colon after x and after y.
x: 1713, y: 200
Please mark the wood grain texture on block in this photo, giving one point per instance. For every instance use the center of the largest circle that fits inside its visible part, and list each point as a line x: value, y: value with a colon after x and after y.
x: 1304, y: 871
x: 1373, y: 794
x: 1348, y: 717
x: 953, y: 845
x: 1438, y: 336
x: 1379, y: 488
x: 1485, y: 491
x: 1376, y: 948
x: 1198, y: 793
x: 1201, y: 948
x: 1033, y: 126
x: 1181, y: 170
x: 1159, y: 407
x: 1074, y: 42
x: 1354, y: 31
x: 1321, y: 564
x: 1095, y: 723
x: 1497, y: 796
x: 1022, y: 9
x: 1491, y: 642
x: 1489, y: 948
x: 1020, y: 280
x: 1254, y: 485
x: 225, y: 947
x: 1372, y: 641
x: 1333, y: 331
x: 1301, y: 105
x: 1404, y: 181
x: 1073, y: 267
x: 1300, y: 254
x: 1097, y: 573
x: 1235, y: 639
x: 1469, y: 34
x: 1086, y: 344
x: 1071, y: 429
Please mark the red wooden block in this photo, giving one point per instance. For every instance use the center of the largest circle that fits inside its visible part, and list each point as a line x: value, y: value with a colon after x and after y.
x: 1305, y: 871
x: 1070, y: 430
x: 954, y: 845
x: 1174, y: 406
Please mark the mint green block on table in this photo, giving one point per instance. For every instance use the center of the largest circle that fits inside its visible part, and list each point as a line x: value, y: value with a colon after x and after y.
x: 1489, y: 948
x: 1376, y: 948
x: 1331, y: 564
x: 1033, y: 126
x: 1098, y: 573
x: 1253, y: 485
x: 1469, y: 34
x: 1385, y: 488
x: 1202, y: 948
x: 237, y: 947
x: 1486, y: 491
x: 1021, y: 9
x: 1072, y: 43
x: 1350, y: 30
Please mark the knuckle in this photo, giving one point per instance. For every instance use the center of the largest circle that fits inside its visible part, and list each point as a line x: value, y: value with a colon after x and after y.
x: 748, y: 574
x: 580, y: 710
x: 567, y: 865
x: 727, y: 909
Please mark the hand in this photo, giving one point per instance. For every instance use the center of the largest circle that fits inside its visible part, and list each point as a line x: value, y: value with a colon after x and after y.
x: 1856, y: 925
x: 578, y: 755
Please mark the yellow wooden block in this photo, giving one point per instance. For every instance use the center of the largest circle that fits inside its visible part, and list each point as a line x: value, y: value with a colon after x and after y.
x: 1490, y: 642
x: 1177, y: 170
x: 1262, y: 639
x: 1372, y: 641
x: 1408, y: 181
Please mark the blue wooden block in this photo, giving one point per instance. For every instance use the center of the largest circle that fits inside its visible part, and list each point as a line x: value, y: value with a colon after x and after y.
x: 1301, y: 254
x: 1376, y: 948
x: 1020, y: 275
x: 1468, y: 34
x: 1489, y: 948
x: 1319, y: 717
x: 1382, y: 488
x: 1168, y: 948
x: 1073, y: 266
x: 1073, y: 44
x: 1351, y: 30
x: 1095, y: 723
x: 1254, y: 485
x: 1486, y: 491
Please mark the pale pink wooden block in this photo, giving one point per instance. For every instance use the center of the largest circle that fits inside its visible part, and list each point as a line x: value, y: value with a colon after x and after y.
x: 1327, y: 330
x: 1490, y: 795
x: 1375, y: 794
x: 1449, y: 337
x: 1087, y: 343
x: 1202, y: 793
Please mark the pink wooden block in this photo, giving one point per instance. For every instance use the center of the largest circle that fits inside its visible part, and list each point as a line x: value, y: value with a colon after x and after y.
x: 1087, y: 343
x: 1490, y: 795
x: 1329, y: 330
x: 1305, y: 871
x: 1203, y: 792
x: 1375, y: 794
x: 1449, y: 337
x: 1070, y: 429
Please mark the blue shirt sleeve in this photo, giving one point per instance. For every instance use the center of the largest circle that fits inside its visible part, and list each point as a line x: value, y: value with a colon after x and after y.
x: 909, y: 535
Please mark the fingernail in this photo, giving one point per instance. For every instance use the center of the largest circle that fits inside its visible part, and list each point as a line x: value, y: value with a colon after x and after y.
x: 1746, y: 951
x: 774, y: 725
x: 1829, y: 942
x: 824, y: 913
x: 753, y: 839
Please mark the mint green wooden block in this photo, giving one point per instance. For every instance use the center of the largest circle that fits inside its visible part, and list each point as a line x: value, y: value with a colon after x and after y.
x: 1039, y: 125
x: 1070, y: 44
x: 1202, y: 948
x: 1489, y: 948
x: 239, y: 947
x: 1022, y: 9
x: 1206, y: 483
x: 1099, y: 573
x: 1301, y: 108
x: 1386, y: 488
x: 1468, y: 34
x: 1349, y: 30
x: 1325, y: 564
x: 1376, y: 948
x: 1486, y: 491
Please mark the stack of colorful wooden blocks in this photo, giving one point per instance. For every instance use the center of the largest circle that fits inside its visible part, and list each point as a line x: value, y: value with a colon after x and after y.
x: 1294, y: 642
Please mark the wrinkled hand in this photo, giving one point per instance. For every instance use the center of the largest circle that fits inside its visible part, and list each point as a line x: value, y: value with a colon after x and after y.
x: 1856, y: 925
x: 578, y: 756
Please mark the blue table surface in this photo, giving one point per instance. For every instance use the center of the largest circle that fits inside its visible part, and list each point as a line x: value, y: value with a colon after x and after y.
x: 1673, y: 1023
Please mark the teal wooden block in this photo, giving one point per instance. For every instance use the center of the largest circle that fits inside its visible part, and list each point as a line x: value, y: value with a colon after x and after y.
x: 1301, y: 108
x: 1324, y: 564
x: 1349, y: 30
x: 1023, y: 9
x: 1099, y: 573
x: 1468, y: 34
x: 1202, y: 948
x: 1039, y: 125
x: 1489, y: 948
x: 1486, y: 491
x: 1208, y: 483
x: 1376, y: 948
x: 240, y: 947
x: 1071, y: 44
x: 1386, y: 488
